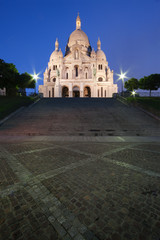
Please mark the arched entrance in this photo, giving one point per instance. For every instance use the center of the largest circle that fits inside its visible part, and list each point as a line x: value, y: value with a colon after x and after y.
x: 65, y: 92
x: 87, y: 92
x: 76, y: 92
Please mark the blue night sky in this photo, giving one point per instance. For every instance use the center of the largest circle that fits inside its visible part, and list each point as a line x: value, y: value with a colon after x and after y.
x: 129, y: 31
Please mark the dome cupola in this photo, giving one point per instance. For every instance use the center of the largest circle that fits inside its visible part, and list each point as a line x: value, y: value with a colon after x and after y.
x: 56, y: 44
x: 56, y: 52
x: 100, y: 54
x: 78, y: 37
x: 99, y: 44
x: 78, y: 22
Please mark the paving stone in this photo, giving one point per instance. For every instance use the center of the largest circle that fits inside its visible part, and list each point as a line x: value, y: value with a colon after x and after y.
x: 67, y: 224
x: 82, y: 229
x: 73, y: 231
x: 67, y: 237
x: 61, y: 231
x: 61, y: 219
x: 57, y: 213
x: 88, y: 235
x: 79, y: 237
x: 51, y: 219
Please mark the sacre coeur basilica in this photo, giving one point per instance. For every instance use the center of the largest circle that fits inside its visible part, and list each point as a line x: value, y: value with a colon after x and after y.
x: 82, y: 72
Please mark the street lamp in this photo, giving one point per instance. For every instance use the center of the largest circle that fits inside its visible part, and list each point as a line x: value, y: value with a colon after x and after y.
x: 122, y: 76
x: 35, y: 77
x: 133, y: 93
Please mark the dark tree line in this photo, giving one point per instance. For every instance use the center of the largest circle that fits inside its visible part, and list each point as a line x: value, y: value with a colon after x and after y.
x: 13, y: 81
x: 151, y: 82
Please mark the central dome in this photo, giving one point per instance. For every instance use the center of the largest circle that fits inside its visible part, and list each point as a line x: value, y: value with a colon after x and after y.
x: 78, y: 36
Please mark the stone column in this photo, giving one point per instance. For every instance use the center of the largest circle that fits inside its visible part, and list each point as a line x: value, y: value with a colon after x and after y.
x: 81, y: 90
x: 94, y: 91
x: 60, y: 91
x: 70, y: 90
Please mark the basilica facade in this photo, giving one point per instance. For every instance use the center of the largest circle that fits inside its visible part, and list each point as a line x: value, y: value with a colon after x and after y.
x: 81, y: 72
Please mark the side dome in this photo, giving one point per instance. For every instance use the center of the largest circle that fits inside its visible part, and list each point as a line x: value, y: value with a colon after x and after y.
x: 78, y: 36
x: 100, y: 55
x: 54, y: 55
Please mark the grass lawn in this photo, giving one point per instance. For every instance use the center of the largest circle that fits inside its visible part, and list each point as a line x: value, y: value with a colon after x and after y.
x: 151, y: 104
x: 11, y: 104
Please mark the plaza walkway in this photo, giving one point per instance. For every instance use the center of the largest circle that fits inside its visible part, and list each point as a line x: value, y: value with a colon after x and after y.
x: 80, y: 169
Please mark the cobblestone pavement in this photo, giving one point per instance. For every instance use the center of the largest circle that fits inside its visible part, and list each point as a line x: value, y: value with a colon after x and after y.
x: 80, y: 169
x: 81, y: 117
x: 86, y: 190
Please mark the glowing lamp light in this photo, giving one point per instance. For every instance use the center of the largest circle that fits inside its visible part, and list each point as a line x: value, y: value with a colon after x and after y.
x: 35, y: 76
x: 122, y: 76
x: 133, y: 93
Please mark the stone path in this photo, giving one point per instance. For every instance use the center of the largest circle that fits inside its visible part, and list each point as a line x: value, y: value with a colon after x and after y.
x: 79, y: 187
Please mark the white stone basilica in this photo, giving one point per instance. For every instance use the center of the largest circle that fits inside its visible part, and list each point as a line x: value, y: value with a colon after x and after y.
x: 82, y: 72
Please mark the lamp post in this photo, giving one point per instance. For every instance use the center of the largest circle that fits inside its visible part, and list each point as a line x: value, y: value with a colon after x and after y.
x: 122, y: 76
x: 35, y: 77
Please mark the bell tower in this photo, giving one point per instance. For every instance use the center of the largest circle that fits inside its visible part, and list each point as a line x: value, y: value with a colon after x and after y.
x: 78, y: 22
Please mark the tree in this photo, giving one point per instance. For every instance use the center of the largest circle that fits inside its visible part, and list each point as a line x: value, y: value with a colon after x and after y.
x: 151, y: 82
x: 131, y: 84
x: 9, y: 77
x: 25, y: 81
x: 12, y: 80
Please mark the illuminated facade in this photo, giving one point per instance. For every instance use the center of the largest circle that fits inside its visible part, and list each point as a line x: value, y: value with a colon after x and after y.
x: 82, y: 72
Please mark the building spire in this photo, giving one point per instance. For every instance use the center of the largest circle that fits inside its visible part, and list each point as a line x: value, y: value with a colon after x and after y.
x: 78, y: 22
x: 99, y: 44
x: 56, y: 44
